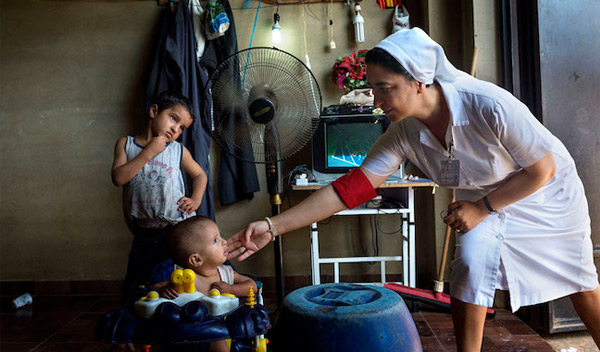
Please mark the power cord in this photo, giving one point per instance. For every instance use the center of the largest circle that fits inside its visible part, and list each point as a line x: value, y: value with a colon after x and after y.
x: 300, y: 169
x: 388, y: 233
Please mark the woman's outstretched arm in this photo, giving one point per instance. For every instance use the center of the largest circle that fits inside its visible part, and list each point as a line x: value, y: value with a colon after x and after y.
x: 316, y: 207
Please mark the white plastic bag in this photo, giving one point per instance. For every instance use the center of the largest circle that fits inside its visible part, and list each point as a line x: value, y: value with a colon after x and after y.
x: 362, y: 96
x: 400, y: 19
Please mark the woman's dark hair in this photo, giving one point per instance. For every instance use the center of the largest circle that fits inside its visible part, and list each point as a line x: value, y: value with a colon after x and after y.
x: 169, y: 98
x: 382, y: 58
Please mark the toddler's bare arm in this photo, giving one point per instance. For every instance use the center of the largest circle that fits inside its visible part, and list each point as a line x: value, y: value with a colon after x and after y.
x: 199, y: 181
x: 124, y: 171
x: 240, y: 286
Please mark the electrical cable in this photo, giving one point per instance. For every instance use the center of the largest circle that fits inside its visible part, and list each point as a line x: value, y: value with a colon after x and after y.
x: 362, y: 245
x: 304, y: 35
x: 376, y: 237
x: 322, y: 222
x: 312, y: 14
x: 290, y: 176
x: 251, y: 39
x: 384, y: 232
x: 330, y: 15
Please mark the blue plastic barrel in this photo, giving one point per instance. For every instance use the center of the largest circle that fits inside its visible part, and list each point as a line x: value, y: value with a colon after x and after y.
x: 343, y: 318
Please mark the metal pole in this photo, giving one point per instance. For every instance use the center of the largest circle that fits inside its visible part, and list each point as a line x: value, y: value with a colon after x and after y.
x: 278, y: 254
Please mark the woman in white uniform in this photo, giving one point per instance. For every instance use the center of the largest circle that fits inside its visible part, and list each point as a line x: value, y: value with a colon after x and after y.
x: 521, y: 217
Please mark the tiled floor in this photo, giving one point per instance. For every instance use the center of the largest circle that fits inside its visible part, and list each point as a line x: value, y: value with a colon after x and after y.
x: 66, y: 323
x: 504, y: 332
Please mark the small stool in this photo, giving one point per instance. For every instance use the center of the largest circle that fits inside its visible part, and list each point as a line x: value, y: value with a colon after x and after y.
x: 345, y: 317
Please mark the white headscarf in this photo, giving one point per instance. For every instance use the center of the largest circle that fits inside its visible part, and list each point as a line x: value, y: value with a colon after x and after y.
x: 423, y: 58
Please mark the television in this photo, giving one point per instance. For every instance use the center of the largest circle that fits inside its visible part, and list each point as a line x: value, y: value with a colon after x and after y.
x: 342, y: 142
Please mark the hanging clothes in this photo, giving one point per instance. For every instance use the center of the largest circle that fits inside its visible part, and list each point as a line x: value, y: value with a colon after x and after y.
x: 174, y: 66
x: 198, y: 15
x: 237, y: 179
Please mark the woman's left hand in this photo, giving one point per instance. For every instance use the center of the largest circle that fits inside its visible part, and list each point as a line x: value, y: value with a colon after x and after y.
x: 249, y: 240
x: 463, y: 215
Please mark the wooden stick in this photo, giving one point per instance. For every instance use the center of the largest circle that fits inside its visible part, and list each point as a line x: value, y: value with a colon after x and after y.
x: 439, y: 284
x: 474, y: 61
x: 446, y: 245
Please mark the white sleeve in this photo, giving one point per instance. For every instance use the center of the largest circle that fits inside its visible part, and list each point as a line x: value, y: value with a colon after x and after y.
x: 523, y: 136
x: 386, y: 155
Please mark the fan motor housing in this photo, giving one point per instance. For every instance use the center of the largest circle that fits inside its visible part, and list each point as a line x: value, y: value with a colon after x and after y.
x: 262, y: 110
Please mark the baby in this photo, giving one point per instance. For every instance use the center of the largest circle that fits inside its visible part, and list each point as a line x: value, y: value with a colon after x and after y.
x: 197, y: 244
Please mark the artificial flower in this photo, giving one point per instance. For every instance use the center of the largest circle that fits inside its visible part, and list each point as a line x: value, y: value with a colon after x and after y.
x: 349, y: 72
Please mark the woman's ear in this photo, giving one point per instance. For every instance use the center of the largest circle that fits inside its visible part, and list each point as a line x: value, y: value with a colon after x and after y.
x: 421, y: 87
x: 153, y: 111
x: 195, y: 260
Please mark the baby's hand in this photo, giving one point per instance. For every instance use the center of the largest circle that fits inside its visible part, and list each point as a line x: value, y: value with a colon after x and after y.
x: 188, y: 205
x: 157, y: 145
x: 222, y: 286
x: 169, y: 291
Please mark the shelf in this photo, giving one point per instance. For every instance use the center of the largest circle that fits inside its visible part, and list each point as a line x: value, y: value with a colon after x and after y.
x: 296, y: 2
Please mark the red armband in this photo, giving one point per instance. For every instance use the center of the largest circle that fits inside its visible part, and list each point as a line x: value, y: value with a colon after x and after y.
x: 354, y: 188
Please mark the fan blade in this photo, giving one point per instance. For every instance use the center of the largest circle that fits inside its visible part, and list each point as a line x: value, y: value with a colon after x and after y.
x: 270, y: 81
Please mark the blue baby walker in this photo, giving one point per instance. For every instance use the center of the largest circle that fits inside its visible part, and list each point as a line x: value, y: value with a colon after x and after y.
x: 189, y: 322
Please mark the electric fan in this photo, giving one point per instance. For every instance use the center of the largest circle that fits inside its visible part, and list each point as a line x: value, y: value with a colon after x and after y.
x: 265, y: 107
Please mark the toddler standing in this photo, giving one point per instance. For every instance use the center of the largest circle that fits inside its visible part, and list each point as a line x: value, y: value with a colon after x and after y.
x: 148, y: 166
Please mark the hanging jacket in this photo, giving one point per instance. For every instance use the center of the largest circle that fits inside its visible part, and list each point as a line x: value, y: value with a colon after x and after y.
x: 237, y: 179
x: 173, y: 66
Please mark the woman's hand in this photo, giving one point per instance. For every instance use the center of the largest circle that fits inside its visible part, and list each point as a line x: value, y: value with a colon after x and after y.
x: 463, y: 215
x: 249, y: 241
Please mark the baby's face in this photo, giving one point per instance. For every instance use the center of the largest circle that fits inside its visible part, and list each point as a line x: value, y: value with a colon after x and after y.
x: 213, y: 247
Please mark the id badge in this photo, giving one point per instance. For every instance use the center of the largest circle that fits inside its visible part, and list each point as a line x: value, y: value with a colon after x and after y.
x: 450, y: 173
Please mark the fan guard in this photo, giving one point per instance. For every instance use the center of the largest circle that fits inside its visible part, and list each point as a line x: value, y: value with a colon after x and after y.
x: 265, y: 105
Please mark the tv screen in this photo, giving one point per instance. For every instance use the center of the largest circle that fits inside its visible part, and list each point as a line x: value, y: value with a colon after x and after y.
x: 341, y: 143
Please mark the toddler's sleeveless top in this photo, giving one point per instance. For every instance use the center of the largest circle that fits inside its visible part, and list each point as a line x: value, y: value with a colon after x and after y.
x: 150, y: 198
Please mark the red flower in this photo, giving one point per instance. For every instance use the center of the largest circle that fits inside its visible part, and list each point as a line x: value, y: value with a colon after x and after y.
x: 349, y: 72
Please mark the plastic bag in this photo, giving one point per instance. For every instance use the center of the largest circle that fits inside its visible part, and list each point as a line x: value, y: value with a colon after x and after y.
x: 400, y: 19
x: 362, y: 96
x: 216, y: 22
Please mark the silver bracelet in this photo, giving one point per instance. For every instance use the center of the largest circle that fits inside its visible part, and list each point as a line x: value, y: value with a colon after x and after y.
x: 271, y: 228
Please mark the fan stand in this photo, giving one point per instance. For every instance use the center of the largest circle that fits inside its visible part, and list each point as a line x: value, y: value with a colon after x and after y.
x: 274, y: 176
x: 275, y: 188
x: 283, y: 101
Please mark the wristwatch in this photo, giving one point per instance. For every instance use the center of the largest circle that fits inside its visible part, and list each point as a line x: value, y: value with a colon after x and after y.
x: 491, y: 210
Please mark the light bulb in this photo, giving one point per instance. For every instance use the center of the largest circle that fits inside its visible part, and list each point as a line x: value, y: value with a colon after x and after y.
x: 276, y: 30
x: 359, y: 25
x: 331, y: 42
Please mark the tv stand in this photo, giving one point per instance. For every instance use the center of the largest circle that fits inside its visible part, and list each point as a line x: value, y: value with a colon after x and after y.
x: 408, y: 234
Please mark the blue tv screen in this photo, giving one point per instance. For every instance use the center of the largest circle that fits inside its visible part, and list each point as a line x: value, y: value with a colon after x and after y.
x: 349, y: 143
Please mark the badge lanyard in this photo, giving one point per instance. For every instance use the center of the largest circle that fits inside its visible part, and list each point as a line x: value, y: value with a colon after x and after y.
x: 450, y: 168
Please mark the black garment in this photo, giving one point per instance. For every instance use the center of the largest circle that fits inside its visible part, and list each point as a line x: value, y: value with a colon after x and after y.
x: 174, y: 67
x: 237, y: 179
x: 149, y: 248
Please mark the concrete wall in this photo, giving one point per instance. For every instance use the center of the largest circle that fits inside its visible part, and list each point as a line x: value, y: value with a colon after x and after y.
x: 70, y: 73
x: 70, y: 86
x: 70, y: 78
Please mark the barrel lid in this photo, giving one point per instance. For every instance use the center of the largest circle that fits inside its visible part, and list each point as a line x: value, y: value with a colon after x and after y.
x: 341, y: 297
